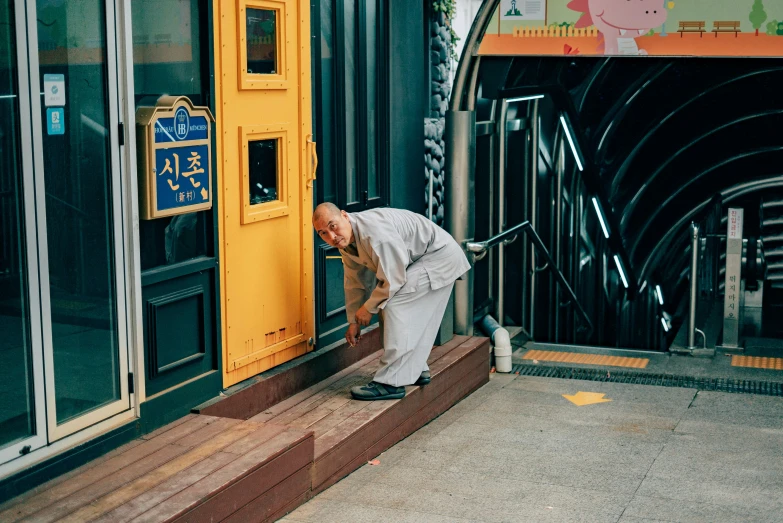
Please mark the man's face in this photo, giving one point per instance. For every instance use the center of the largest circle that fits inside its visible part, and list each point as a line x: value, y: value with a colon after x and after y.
x: 335, y: 230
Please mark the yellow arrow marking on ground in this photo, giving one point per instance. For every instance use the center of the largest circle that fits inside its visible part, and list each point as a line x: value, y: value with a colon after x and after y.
x: 580, y: 399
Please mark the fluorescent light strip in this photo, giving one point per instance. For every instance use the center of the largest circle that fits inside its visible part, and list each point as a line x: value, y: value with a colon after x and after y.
x: 665, y: 326
x: 659, y: 294
x: 5, y: 96
x: 644, y: 286
x: 571, y: 142
x: 600, y: 217
x: 524, y: 98
x: 620, y: 268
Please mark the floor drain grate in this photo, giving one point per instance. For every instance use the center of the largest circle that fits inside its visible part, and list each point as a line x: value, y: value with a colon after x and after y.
x: 766, y: 388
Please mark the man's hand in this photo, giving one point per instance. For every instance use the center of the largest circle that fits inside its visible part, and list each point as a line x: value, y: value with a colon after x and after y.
x: 352, y: 334
x: 363, y: 316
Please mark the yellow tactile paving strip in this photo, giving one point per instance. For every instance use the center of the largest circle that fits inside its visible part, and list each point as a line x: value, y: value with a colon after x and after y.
x: 586, y: 359
x: 757, y: 362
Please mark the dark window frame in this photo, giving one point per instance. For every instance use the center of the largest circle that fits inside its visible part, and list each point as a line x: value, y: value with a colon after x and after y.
x: 382, y: 104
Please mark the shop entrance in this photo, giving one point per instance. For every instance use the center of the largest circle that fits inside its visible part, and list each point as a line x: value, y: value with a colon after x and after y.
x: 267, y: 164
x: 63, y: 344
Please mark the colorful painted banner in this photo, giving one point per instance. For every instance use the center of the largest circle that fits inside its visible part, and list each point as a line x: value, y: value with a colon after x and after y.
x: 636, y: 28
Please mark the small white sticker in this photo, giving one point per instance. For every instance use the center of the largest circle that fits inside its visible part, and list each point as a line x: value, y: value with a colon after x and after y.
x: 54, y: 90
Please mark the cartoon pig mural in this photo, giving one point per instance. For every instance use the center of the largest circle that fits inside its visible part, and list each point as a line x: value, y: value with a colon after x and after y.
x: 620, y: 21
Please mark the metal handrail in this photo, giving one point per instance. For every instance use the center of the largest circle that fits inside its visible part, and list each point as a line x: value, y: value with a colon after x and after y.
x: 479, y: 249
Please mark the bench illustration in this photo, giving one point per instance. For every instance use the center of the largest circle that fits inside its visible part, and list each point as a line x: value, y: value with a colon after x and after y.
x: 725, y: 27
x: 691, y: 27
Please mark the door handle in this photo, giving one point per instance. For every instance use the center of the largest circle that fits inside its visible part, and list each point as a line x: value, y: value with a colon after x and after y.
x: 313, y: 161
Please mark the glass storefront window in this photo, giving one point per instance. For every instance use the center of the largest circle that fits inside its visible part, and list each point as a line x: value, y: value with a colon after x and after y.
x: 17, y: 414
x: 262, y: 167
x: 169, y: 59
x: 77, y: 157
x: 261, y: 34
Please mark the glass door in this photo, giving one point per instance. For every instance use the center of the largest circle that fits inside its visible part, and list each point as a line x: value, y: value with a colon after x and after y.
x: 22, y: 409
x: 78, y: 200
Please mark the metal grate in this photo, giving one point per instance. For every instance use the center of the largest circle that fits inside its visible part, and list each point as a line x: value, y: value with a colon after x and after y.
x: 766, y: 388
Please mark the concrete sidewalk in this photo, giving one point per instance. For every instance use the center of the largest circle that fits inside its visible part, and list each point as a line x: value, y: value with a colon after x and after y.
x: 517, y: 450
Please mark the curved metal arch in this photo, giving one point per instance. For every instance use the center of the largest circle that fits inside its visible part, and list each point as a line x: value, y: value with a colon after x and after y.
x: 623, y: 105
x: 604, y: 63
x: 728, y: 195
x: 638, y: 235
x: 626, y: 164
x: 629, y: 209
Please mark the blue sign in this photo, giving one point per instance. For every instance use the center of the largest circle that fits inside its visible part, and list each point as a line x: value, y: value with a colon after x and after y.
x: 181, y: 128
x: 55, y: 120
x: 182, y: 176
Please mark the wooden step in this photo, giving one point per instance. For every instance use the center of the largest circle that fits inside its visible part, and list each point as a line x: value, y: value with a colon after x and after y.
x: 209, y: 468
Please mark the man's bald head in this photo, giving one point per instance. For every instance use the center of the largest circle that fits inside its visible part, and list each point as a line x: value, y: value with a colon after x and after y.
x: 325, y: 210
x: 333, y: 225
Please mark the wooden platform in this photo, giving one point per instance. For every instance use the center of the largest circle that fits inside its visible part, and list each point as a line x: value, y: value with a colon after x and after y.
x: 209, y: 468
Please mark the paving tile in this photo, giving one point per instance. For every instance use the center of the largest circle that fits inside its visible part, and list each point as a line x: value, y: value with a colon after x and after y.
x: 678, y: 510
x: 556, y: 473
x: 711, y: 492
x: 472, y: 485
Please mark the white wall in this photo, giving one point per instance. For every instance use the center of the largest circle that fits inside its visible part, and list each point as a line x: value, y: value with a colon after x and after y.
x: 463, y: 18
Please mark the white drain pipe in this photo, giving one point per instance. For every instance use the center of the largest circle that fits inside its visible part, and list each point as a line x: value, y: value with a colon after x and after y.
x: 501, y: 341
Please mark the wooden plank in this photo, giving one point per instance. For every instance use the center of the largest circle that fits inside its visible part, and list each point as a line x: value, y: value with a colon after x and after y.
x: 337, y: 435
x: 356, y: 464
x: 440, y: 350
x: 255, y: 439
x: 131, y: 456
x: 269, y: 390
x: 349, y: 407
x: 362, y: 430
x: 318, y: 398
x: 76, y: 500
x: 178, y: 483
x: 264, y: 506
x: 215, y: 428
x: 304, y: 395
x: 26, y: 496
x: 172, y: 425
x: 161, y: 474
x: 477, y: 378
x: 474, y: 380
x: 201, y: 492
x: 258, y: 485
x: 297, y: 502
x: 326, y: 424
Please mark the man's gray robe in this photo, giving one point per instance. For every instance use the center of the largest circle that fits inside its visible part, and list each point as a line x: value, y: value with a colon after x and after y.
x: 403, y: 267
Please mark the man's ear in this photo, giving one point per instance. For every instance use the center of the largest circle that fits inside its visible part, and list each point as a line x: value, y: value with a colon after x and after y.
x: 344, y: 214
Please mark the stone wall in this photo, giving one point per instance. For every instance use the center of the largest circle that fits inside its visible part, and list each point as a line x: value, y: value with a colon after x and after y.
x: 440, y: 90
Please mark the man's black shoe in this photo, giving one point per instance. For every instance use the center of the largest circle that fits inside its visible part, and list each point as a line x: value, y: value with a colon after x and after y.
x: 423, y: 379
x: 377, y: 391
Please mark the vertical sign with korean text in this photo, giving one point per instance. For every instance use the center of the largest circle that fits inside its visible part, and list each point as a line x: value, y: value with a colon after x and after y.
x: 175, y: 140
x: 733, y: 288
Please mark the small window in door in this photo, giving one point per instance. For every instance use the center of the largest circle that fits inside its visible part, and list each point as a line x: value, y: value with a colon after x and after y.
x: 261, y: 41
x: 261, y: 25
x: 265, y: 172
x: 262, y: 171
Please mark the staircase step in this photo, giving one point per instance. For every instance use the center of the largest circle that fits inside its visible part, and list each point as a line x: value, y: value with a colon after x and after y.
x: 209, y: 468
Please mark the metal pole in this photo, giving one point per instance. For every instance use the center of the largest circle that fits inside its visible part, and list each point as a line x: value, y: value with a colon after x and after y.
x: 694, y: 286
x: 558, y: 237
x: 532, y: 162
x: 501, y: 189
x: 460, y: 204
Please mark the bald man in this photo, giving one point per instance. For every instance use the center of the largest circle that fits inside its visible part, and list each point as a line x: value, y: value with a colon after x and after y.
x: 400, y: 265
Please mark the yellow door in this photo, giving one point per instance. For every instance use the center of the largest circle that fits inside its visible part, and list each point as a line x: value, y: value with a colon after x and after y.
x: 266, y: 170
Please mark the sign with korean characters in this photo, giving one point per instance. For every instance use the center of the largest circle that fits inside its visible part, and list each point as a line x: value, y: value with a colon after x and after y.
x: 174, y: 157
x: 733, y: 288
